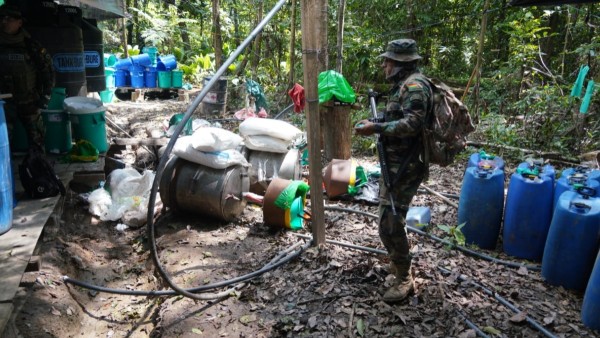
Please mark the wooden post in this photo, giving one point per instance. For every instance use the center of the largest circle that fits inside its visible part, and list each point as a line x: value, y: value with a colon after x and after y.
x: 337, y: 133
x: 310, y: 55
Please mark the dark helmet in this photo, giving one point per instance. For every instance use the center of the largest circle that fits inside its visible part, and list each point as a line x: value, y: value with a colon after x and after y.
x: 403, y: 50
x: 10, y: 11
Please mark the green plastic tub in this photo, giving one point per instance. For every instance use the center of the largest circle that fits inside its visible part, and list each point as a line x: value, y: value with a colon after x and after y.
x: 57, y: 139
x: 87, y: 120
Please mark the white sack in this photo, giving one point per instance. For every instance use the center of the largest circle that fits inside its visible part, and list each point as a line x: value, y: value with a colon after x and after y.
x: 214, y: 139
x: 266, y: 143
x: 216, y: 159
x: 271, y: 127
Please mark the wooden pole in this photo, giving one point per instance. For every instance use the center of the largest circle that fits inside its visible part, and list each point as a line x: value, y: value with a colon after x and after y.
x: 337, y: 136
x: 310, y: 55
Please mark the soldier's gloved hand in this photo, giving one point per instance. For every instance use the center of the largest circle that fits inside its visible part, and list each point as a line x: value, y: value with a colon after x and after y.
x: 365, y: 128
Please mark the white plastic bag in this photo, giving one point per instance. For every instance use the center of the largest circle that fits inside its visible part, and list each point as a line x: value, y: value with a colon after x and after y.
x: 216, y: 159
x: 266, y: 143
x: 275, y: 128
x: 214, y: 139
x: 129, y: 193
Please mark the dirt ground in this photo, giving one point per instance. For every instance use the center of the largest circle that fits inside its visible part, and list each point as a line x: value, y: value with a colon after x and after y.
x: 331, y: 291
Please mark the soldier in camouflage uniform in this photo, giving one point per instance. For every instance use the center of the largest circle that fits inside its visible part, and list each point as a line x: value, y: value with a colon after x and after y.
x: 26, y: 72
x: 406, y: 111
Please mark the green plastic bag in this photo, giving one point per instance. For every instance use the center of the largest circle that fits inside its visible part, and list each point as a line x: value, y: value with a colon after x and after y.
x: 290, y: 193
x: 177, y: 118
x: 333, y: 84
x: 256, y: 91
x: 83, y: 151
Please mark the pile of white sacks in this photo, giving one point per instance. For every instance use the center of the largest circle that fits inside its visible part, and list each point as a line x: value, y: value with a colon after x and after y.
x: 219, y: 148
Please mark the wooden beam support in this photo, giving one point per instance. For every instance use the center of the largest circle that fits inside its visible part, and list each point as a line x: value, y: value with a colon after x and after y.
x: 311, y: 26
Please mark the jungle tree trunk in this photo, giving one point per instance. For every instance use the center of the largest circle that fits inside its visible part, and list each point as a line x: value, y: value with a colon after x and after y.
x: 256, y: 48
x: 216, y: 33
x: 185, y: 36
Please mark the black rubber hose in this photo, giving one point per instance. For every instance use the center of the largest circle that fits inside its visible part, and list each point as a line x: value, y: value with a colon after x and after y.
x: 178, y: 129
x: 268, y: 267
x: 472, y: 325
x: 502, y: 301
x: 441, y: 240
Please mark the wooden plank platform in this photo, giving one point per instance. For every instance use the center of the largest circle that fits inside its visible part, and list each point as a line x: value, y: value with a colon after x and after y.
x: 29, y: 217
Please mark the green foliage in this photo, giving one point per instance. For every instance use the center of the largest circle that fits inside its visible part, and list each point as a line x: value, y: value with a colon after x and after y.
x: 453, y: 234
x: 530, y: 58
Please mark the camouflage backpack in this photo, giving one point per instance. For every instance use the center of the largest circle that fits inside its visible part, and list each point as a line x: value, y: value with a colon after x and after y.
x: 447, y: 126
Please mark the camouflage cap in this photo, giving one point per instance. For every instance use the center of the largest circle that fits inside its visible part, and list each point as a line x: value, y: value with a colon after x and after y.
x: 403, y: 50
x: 10, y: 11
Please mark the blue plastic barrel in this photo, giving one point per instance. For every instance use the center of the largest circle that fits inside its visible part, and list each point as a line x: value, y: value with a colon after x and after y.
x: 573, y: 239
x: 591, y: 299
x: 166, y: 63
x: 6, y: 184
x: 151, y: 77
x: 569, y: 183
x: 527, y: 214
x: 137, y: 76
x: 592, y: 174
x: 537, y: 164
x: 143, y: 60
x: 124, y: 64
x: 485, y: 159
x: 481, y: 204
x: 121, y: 78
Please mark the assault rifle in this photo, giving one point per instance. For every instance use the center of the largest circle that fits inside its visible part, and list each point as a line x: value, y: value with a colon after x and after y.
x: 381, y: 152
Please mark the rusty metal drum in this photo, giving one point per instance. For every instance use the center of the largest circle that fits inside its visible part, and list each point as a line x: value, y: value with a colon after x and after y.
x: 198, y: 189
x: 265, y: 166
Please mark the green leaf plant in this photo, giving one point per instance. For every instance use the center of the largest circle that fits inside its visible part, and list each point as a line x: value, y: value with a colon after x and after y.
x: 453, y: 235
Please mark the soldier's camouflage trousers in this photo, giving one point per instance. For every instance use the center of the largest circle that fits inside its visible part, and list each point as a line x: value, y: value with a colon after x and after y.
x: 392, y: 229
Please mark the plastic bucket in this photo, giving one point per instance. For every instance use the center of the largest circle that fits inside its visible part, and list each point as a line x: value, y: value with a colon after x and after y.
x: 6, y: 184
x: 87, y: 120
x: 177, y: 78
x: 137, y: 76
x: 121, y: 76
x: 109, y: 73
x: 151, y: 77
x: 166, y: 62
x: 164, y: 79
x: 106, y: 96
x: 124, y: 64
x: 109, y: 60
x: 152, y: 52
x: 57, y: 98
x: 143, y: 60
x: 57, y: 139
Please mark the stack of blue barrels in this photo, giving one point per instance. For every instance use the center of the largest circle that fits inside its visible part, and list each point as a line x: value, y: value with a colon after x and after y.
x: 482, y: 200
x: 148, y: 70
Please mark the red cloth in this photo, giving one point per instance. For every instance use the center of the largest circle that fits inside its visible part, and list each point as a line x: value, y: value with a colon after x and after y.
x: 297, y: 95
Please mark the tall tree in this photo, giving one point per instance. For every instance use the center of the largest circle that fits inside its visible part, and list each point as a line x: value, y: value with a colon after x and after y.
x: 216, y: 33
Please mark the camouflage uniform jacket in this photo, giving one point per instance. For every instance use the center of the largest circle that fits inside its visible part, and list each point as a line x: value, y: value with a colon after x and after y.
x: 26, y: 68
x: 405, y: 116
